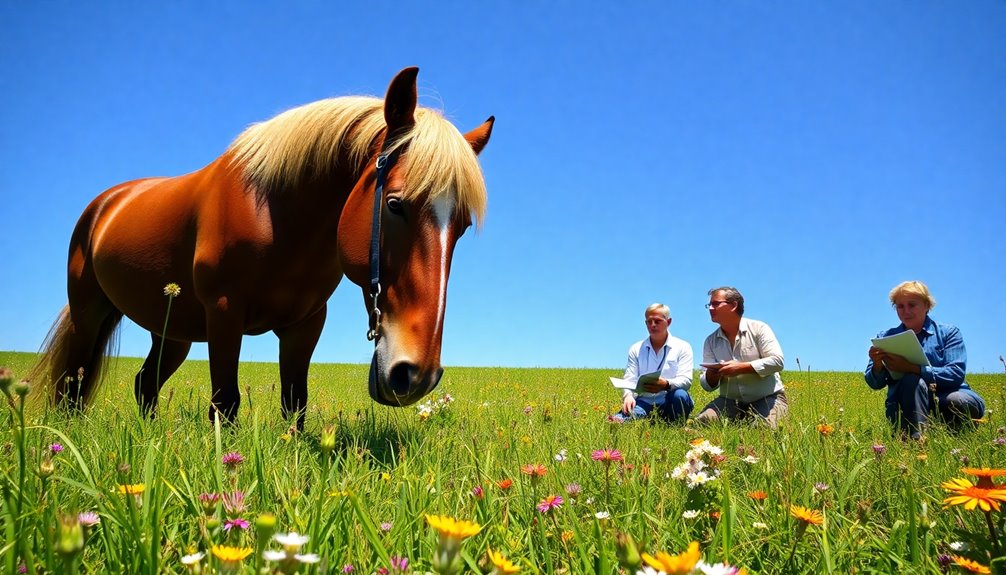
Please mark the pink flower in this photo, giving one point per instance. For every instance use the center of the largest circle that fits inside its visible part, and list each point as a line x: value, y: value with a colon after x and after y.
x: 235, y: 523
x: 607, y: 455
x: 234, y: 503
x: 549, y: 503
x: 88, y: 518
x: 232, y: 460
x: 209, y: 502
x: 478, y: 492
x: 55, y: 448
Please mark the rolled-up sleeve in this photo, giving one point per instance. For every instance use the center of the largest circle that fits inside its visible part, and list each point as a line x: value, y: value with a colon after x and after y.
x: 771, y: 360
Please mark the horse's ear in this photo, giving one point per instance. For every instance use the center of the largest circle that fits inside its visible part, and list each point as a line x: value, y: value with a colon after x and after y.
x: 479, y: 137
x: 400, y: 103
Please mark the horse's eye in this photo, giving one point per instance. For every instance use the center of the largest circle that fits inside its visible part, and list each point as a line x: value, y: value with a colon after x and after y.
x: 396, y: 206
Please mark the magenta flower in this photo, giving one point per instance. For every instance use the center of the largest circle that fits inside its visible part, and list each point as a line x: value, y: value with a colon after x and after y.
x: 399, y: 563
x: 348, y: 568
x: 209, y: 502
x: 606, y: 456
x: 478, y: 492
x: 879, y: 449
x: 55, y: 448
x: 234, y: 503
x: 549, y: 503
x: 237, y: 523
x: 232, y: 460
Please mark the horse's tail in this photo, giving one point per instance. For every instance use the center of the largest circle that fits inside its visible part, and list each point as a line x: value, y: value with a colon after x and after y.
x: 71, y: 364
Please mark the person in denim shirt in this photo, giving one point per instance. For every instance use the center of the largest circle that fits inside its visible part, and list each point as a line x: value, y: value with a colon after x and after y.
x: 923, y: 390
x: 669, y: 355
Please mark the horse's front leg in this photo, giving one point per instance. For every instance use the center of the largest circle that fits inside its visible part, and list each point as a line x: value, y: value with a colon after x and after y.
x: 148, y: 382
x: 223, y: 338
x: 296, y: 346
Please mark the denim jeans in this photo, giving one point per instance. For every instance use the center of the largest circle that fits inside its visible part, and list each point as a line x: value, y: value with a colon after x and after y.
x: 910, y: 403
x: 674, y: 406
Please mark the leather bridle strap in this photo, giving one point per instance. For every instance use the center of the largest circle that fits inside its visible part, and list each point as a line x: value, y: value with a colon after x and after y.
x: 385, y: 161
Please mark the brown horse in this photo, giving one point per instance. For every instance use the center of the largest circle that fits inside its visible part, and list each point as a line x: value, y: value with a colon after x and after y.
x: 259, y: 239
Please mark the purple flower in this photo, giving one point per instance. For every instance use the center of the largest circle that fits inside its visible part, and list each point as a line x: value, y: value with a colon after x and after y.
x: 478, y: 492
x: 209, y: 502
x: 348, y: 568
x: 821, y: 487
x: 573, y: 489
x: 386, y: 526
x: 88, y: 518
x: 399, y: 563
x: 56, y: 448
x: 237, y: 523
x: 22, y: 568
x: 232, y: 460
x: 1000, y: 441
x: 879, y: 449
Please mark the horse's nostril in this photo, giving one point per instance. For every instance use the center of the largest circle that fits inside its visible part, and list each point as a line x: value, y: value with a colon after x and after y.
x: 402, y: 377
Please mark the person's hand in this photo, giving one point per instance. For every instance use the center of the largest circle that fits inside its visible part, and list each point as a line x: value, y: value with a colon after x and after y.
x: 713, y: 373
x: 660, y: 385
x: 732, y: 368
x: 877, y: 356
x: 895, y: 362
x: 628, y: 404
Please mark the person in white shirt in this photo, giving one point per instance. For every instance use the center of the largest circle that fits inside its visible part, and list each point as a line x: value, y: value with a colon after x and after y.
x: 743, y: 360
x: 666, y: 355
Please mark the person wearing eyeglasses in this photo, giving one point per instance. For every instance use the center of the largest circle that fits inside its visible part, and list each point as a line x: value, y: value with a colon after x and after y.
x: 666, y: 355
x: 921, y: 391
x: 742, y: 359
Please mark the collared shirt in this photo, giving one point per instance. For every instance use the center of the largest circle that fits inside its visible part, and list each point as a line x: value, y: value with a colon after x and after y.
x: 944, y: 348
x: 674, y: 361
x: 756, y: 343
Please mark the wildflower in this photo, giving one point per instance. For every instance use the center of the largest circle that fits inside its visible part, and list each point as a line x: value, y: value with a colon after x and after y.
x: 525, y: 439
x: 971, y: 496
x: 452, y: 532
x: 807, y: 516
x: 759, y: 525
x: 602, y: 515
x: 985, y: 476
x: 505, y: 484
x: 478, y: 492
x: 879, y: 449
x: 680, y: 564
x: 172, y: 290
x: 501, y: 565
x: 237, y: 523
x: 690, y: 514
x: 528, y: 409
x: 209, y: 502
x: 561, y: 456
x: 750, y: 459
x: 399, y: 563
x: 959, y: 546
x: 192, y: 559
x: 820, y: 487
x: 232, y: 460
x: 549, y: 503
x: 386, y: 526
x: 134, y: 489
x: 574, y: 490
x: 758, y: 495
x: 234, y: 503
x: 327, y: 441
x: 348, y: 568
x: 606, y: 456
x: 230, y: 558
x: 969, y: 565
x: 535, y: 470
x: 720, y: 569
x: 999, y: 441
x: 46, y: 467
x: 265, y: 526
x: 88, y: 519
x: 56, y: 448
x: 70, y: 540
x: 824, y: 429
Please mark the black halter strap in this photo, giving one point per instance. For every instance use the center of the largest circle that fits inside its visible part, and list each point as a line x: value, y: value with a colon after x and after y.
x: 384, y: 163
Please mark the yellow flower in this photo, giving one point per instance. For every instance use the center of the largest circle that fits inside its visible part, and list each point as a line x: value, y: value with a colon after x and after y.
x: 172, y: 290
x: 134, y: 489
x: 502, y: 564
x: 970, y: 496
x: 451, y: 528
x: 229, y: 554
x: 566, y: 536
x: 809, y: 516
x: 972, y: 566
x: 681, y: 564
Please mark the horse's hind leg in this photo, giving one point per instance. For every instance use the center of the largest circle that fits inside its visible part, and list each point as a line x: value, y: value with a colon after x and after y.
x: 148, y: 381
x: 296, y: 346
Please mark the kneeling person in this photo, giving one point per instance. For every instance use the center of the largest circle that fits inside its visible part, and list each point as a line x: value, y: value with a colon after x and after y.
x: 668, y: 355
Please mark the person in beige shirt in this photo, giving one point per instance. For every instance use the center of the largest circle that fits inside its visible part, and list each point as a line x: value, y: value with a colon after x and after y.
x: 742, y: 359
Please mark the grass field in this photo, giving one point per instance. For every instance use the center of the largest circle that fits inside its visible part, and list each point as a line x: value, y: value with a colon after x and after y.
x: 362, y: 479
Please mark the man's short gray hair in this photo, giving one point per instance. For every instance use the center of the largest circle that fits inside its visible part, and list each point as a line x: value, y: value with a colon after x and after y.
x: 731, y: 295
x: 658, y: 308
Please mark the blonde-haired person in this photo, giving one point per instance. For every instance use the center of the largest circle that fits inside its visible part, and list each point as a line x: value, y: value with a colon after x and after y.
x: 669, y: 355
x: 924, y: 390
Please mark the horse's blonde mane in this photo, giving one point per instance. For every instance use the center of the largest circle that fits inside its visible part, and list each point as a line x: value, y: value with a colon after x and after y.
x: 306, y: 142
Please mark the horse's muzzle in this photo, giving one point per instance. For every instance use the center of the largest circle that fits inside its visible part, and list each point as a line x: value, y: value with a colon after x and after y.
x: 404, y: 384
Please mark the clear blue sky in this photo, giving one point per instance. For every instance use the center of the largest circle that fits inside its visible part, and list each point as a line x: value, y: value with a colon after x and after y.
x: 813, y: 154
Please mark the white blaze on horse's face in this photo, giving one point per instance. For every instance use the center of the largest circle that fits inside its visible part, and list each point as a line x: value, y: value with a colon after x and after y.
x: 407, y: 358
